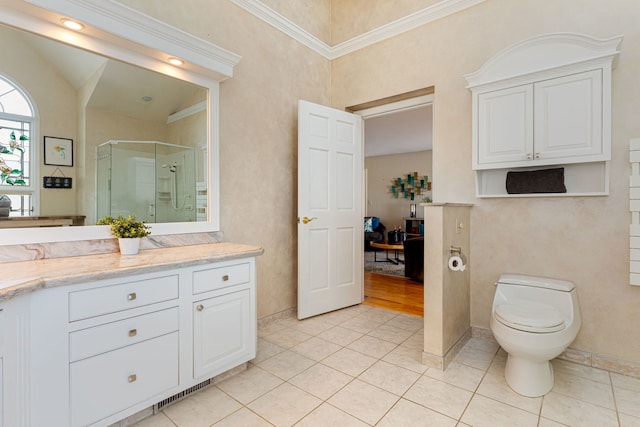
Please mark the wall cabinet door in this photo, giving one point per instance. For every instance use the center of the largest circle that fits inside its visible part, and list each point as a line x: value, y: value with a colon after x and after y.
x: 223, y: 333
x: 553, y: 121
x: 568, y: 116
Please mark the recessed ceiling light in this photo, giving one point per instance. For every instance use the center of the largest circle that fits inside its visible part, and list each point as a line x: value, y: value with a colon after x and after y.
x: 147, y: 98
x: 72, y: 25
x: 176, y: 61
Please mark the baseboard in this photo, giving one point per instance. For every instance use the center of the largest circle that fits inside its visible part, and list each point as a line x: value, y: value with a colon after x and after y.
x: 582, y: 357
x: 441, y: 362
x: 265, y: 321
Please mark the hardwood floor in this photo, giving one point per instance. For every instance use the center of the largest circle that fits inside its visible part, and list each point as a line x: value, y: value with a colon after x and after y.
x: 394, y: 293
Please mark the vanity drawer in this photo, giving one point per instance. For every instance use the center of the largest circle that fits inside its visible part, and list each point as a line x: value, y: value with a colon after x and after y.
x: 221, y: 277
x: 112, y: 382
x: 123, y: 296
x: 111, y: 336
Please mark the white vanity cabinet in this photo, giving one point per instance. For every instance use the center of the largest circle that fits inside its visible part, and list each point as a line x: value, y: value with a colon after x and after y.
x: 552, y: 121
x: 106, y: 349
x: 224, y: 318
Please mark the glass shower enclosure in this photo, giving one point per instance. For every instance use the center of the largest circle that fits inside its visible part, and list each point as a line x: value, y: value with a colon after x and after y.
x: 153, y: 180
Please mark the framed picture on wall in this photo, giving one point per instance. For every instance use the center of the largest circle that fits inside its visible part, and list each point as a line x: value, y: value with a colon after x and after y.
x: 58, y: 151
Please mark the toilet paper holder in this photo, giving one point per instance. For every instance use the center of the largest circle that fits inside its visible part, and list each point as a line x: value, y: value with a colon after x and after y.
x: 455, y: 250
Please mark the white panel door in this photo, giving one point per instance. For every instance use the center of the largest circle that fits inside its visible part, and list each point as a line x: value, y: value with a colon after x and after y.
x: 330, y: 167
x: 568, y: 116
x: 505, y: 126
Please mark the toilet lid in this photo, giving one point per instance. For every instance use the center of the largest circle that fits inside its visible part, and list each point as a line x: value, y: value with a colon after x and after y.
x: 532, y: 317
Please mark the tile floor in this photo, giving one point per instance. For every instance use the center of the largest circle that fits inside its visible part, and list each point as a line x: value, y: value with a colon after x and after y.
x: 360, y: 366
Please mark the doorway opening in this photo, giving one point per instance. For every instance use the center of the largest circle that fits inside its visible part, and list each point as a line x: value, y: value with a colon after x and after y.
x: 398, y: 144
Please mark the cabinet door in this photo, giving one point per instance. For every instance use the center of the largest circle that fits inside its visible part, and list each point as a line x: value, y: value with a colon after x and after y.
x: 224, y: 333
x: 505, y: 126
x: 568, y: 116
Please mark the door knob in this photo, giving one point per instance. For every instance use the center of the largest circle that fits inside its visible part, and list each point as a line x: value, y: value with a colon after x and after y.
x: 307, y: 220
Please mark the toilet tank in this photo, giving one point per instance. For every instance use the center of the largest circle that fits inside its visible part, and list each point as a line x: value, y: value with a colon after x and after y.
x: 520, y: 289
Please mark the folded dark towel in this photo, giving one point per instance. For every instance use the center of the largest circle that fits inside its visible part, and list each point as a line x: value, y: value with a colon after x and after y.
x: 538, y: 181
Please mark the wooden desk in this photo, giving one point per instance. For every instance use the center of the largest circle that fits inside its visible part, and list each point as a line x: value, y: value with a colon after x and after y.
x: 388, y: 247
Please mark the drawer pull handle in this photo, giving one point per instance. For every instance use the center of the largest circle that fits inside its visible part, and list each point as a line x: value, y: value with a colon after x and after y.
x: 225, y: 278
x: 199, y: 307
x: 132, y: 378
x: 133, y: 332
x: 132, y: 296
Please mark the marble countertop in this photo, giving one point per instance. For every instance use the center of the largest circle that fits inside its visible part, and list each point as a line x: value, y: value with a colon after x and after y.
x: 19, y: 278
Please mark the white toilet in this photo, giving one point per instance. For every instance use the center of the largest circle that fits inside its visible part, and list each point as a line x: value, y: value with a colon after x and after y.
x: 534, y: 319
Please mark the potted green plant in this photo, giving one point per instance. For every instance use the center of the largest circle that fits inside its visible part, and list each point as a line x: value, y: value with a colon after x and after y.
x: 128, y: 230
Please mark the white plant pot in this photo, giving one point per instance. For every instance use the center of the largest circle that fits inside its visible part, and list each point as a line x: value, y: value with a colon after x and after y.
x: 129, y: 246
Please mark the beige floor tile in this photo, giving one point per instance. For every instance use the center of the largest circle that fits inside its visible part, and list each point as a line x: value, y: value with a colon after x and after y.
x: 158, y: 420
x: 313, y: 326
x: 316, y: 348
x: 495, y: 387
x: 338, y: 316
x: 286, y: 364
x: 543, y: 422
x: 583, y: 389
x: 244, y: 418
x: 475, y: 357
x: 389, y: 377
x: 625, y: 382
x: 364, y: 401
x: 628, y: 401
x: 485, y: 412
x: 250, y: 384
x: 484, y: 345
x: 285, y: 405
x: 570, y: 368
x: 498, y: 364
x: 339, y: 335
x: 407, y: 322
x: 574, y: 412
x: 321, y: 381
x: 463, y: 376
x: 406, y: 413
x: 629, y: 421
x: 266, y: 350
x: 327, y: 415
x: 360, y: 324
x: 390, y: 333
x: 271, y: 329
x: 372, y: 346
x: 202, y: 409
x: 379, y: 315
x: 349, y: 361
x: 415, y: 341
x: 439, y: 396
x: 406, y: 357
x: 287, y: 337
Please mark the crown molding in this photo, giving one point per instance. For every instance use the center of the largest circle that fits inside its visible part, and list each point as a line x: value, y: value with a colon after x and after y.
x: 432, y: 13
x: 113, y: 17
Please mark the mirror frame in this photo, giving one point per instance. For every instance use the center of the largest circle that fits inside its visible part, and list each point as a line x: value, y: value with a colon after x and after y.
x: 122, y: 33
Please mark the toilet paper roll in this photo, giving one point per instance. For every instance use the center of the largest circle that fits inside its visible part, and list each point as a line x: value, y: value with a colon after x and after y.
x: 457, y: 263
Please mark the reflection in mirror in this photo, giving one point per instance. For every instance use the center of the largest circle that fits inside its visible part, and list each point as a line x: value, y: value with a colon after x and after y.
x: 139, y: 137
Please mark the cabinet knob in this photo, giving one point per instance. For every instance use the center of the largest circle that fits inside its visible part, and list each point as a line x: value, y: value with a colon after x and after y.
x: 225, y: 278
x: 132, y: 378
x: 132, y: 296
x: 133, y: 332
x: 199, y: 307
x: 529, y: 156
x: 537, y: 155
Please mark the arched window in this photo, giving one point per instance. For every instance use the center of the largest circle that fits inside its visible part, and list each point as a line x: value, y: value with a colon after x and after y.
x: 17, y: 171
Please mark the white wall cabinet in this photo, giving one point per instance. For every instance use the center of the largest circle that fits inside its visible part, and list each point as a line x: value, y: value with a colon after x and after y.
x: 104, y: 350
x: 553, y: 121
x: 541, y: 102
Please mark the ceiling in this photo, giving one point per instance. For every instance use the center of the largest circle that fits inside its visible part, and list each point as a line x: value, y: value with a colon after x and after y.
x: 404, y: 131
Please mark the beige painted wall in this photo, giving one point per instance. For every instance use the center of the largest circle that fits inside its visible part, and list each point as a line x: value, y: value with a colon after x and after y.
x: 381, y: 170
x: 314, y: 16
x: 258, y: 133
x: 582, y: 239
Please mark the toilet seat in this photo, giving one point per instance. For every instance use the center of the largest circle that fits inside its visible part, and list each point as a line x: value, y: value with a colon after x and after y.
x: 532, y: 317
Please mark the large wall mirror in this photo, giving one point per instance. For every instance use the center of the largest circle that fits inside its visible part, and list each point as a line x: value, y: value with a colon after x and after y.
x: 143, y: 132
